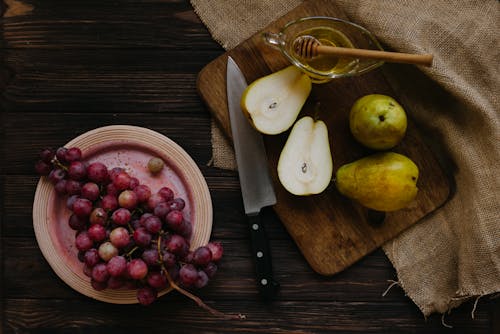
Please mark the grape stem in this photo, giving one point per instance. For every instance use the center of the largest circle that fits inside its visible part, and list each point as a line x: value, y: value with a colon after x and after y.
x: 131, y: 251
x: 59, y: 164
x: 158, y: 248
x: 200, y: 302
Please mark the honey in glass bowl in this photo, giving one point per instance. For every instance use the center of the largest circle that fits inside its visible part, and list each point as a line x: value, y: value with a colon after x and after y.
x: 328, y: 31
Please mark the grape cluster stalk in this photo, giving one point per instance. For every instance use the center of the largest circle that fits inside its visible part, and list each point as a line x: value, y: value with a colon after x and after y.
x: 127, y: 236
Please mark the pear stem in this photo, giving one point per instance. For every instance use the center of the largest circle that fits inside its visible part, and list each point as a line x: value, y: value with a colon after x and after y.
x: 317, y: 109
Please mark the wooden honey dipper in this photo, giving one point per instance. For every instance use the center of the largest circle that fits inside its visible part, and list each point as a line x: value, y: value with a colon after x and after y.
x: 308, y: 47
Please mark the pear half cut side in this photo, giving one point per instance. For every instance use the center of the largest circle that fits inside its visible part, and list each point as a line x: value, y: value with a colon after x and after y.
x: 273, y: 102
x: 305, y: 166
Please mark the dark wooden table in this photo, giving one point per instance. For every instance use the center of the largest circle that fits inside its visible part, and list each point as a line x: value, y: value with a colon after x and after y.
x: 72, y: 66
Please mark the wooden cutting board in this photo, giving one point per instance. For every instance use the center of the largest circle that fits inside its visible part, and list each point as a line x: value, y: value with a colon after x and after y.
x: 331, y: 231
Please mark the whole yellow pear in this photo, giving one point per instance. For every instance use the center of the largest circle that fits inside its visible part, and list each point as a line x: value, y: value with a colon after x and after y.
x: 383, y: 181
x: 377, y: 121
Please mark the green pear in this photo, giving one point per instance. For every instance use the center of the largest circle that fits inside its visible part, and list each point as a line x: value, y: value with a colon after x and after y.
x: 383, y: 181
x: 273, y: 102
x: 377, y: 121
x: 305, y: 165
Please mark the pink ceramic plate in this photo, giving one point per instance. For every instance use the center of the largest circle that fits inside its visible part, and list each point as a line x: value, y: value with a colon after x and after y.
x: 131, y: 148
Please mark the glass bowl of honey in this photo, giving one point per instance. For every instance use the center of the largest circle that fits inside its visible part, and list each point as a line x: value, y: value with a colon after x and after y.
x: 328, y: 31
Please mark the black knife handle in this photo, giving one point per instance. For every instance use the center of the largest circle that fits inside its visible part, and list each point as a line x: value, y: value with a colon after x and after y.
x: 261, y: 253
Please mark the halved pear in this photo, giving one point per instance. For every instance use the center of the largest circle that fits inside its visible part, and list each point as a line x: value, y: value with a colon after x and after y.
x: 272, y: 103
x: 305, y: 166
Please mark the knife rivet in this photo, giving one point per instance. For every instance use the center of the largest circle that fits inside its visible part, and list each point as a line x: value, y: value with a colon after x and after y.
x: 263, y: 281
x: 260, y: 254
x: 255, y: 227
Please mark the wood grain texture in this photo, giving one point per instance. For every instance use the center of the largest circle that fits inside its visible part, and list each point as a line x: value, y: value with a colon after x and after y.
x: 331, y: 231
x: 69, y: 67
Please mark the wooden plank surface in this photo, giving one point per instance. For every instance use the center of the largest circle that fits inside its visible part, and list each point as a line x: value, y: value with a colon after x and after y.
x: 69, y: 67
x: 331, y: 231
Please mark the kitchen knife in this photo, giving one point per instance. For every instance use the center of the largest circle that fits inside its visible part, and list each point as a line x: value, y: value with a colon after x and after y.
x: 256, y: 185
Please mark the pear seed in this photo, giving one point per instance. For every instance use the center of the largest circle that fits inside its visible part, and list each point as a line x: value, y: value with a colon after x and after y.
x: 304, y: 168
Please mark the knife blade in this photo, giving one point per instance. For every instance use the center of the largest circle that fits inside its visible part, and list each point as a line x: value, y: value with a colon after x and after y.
x: 255, y: 180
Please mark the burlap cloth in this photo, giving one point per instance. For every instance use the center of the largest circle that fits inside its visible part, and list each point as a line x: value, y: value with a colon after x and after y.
x: 453, y: 255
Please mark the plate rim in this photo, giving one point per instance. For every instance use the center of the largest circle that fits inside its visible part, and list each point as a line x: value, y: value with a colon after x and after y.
x: 190, y: 172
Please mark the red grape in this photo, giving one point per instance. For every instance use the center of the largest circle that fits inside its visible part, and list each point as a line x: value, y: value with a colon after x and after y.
x: 127, y: 199
x: 115, y: 282
x: 77, y: 223
x: 77, y: 170
x: 173, y: 272
x: 146, y: 295
x: 73, y: 154
x: 98, y: 216
x: 121, y: 216
x: 174, y: 219
x: 189, y: 257
x: 130, y: 284
x: 87, y: 270
x: 153, y: 224
x: 113, y: 172
x: 201, y: 280
x: 177, y: 204
x: 116, y: 266
x: 97, y: 172
x: 90, y: 191
x: 188, y: 275
x: 80, y: 256
x: 202, y: 256
x: 143, y: 193
x: 70, y: 201
x: 166, y: 193
x: 122, y: 180
x: 111, y: 189
x: 107, y: 250
x: 142, y: 237
x: 98, y: 286
x: 168, y: 259
x: 91, y: 257
x: 56, y: 175
x: 150, y: 257
x: 73, y: 187
x: 60, y: 187
x: 135, y: 223
x: 100, y: 272
x: 177, y: 245
x: 154, y: 200
x: 97, y: 232
x: 156, y: 280
x: 216, y: 249
x: 134, y: 182
x: 143, y: 218
x: 42, y: 168
x: 162, y: 209
x: 119, y: 237
x: 109, y: 203
x: 186, y: 229
x: 47, y: 154
x: 82, y: 207
x: 83, y: 241
x: 137, y: 269
x: 210, y: 269
x: 61, y: 154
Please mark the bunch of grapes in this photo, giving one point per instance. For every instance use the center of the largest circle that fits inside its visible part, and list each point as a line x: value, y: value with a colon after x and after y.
x: 127, y: 236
